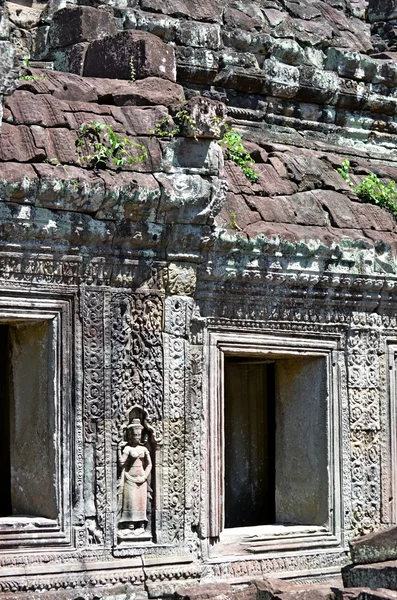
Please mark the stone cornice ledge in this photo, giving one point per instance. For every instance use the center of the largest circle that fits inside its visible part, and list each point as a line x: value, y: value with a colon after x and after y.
x: 346, y: 263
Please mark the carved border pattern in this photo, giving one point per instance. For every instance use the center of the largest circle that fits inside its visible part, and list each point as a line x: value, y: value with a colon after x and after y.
x: 193, y: 448
x: 174, y: 425
x: 94, y: 403
x: 93, y: 358
x: 178, y: 312
x: 363, y: 347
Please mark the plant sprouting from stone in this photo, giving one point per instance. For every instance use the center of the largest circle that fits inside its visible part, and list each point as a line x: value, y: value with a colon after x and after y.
x: 233, y: 220
x: 32, y: 78
x: 235, y: 151
x: 106, y: 146
x: 231, y: 141
x: 371, y: 189
x: 344, y: 171
x: 168, y: 128
x: 132, y: 70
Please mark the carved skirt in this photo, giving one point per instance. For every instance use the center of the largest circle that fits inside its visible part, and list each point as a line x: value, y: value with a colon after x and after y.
x: 134, y: 503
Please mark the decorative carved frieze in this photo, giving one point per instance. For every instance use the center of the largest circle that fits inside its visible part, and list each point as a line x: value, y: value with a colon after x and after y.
x: 136, y: 358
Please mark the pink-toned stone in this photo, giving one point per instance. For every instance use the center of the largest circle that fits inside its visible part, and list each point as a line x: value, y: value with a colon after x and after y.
x: 57, y: 143
x: 17, y: 181
x: 37, y: 109
x: 236, y: 212
x: 142, y: 120
x: 200, y: 10
x: 149, y: 91
x: 277, y: 209
x: 18, y: 144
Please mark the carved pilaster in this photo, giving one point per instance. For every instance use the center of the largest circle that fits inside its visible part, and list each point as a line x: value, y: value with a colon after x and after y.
x: 363, y: 378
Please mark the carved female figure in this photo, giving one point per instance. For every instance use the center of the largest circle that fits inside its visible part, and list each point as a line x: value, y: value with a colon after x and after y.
x: 135, y: 462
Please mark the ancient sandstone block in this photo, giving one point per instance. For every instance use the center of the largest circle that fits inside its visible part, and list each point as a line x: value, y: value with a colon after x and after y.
x: 130, y: 54
x: 375, y: 547
x: 381, y: 10
x: 375, y: 575
x: 146, y: 92
x: 17, y: 144
x: 71, y: 59
x: 80, y: 24
x: 200, y: 10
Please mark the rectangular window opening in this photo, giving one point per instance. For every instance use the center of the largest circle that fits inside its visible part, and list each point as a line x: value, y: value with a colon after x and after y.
x: 275, y: 441
x: 27, y: 421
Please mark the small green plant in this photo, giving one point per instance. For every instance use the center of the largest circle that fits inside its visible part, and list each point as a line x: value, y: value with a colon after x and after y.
x: 344, y: 170
x: 106, y: 146
x: 26, y: 62
x: 32, y: 78
x: 163, y: 128
x: 371, y: 189
x: 132, y: 70
x: 236, y: 152
x: 182, y: 119
x: 233, y: 220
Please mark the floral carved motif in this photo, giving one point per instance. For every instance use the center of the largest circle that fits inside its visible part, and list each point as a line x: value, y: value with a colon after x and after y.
x: 136, y: 358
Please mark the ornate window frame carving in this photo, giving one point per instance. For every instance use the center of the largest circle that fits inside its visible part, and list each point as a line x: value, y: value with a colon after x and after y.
x: 221, y: 343
x: 391, y: 419
x: 58, y: 312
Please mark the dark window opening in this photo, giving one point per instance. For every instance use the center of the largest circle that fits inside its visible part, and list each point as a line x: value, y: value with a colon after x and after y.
x: 275, y: 441
x: 27, y: 420
x: 249, y: 442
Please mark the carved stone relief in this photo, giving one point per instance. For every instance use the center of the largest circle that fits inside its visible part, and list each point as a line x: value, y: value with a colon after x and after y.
x: 93, y: 411
x: 363, y: 360
x: 136, y: 410
x: 136, y: 358
x: 135, y: 480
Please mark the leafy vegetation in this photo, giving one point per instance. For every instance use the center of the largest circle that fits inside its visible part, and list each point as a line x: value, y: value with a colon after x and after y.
x: 182, y: 119
x: 32, y: 78
x: 235, y: 151
x: 371, y: 189
x: 106, y: 146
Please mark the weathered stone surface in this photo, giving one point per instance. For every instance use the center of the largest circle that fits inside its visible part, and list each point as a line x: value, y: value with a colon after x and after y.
x: 71, y: 59
x: 148, y: 91
x: 202, y: 11
x: 23, y: 16
x: 151, y: 284
x: 17, y: 182
x: 237, y: 210
x: 381, y: 10
x: 141, y: 121
x: 18, y: 144
x: 41, y: 109
x: 278, y: 209
x: 375, y: 547
x: 73, y: 25
x: 113, y: 56
x: 204, y: 592
x: 375, y: 575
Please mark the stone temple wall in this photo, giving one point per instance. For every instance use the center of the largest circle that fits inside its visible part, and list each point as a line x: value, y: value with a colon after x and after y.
x: 130, y: 283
